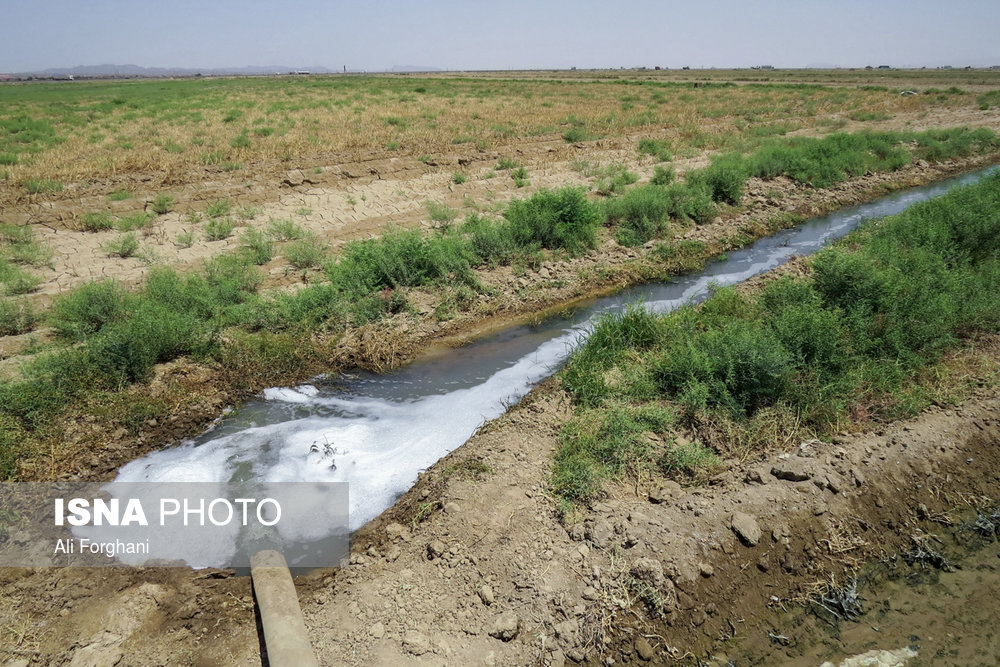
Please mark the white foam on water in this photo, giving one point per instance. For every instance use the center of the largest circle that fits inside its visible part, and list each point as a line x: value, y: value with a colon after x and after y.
x: 379, y: 446
x: 300, y: 394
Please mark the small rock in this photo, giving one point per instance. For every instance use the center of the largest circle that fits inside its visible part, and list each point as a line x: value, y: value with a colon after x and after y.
x: 706, y: 570
x: 452, y: 508
x: 377, y: 631
x: 395, y: 531
x: 393, y: 554
x: 644, y: 650
x: 435, y: 549
x: 577, y: 532
x: 416, y: 643
x: 833, y: 483
x: 600, y: 533
x: 859, y: 477
x: 295, y: 178
x: 590, y: 593
x: 649, y: 571
x: 506, y: 626
x: 792, y: 470
x: 486, y: 594
x: 746, y: 528
x: 567, y: 628
x: 665, y: 491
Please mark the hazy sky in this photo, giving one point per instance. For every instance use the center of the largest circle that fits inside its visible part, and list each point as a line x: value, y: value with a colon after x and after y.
x: 502, y: 34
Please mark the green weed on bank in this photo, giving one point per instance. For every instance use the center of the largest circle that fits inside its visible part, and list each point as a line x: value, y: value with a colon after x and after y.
x: 845, y: 342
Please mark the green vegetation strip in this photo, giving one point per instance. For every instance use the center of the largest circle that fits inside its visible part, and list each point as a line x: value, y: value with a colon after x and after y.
x: 110, y: 338
x: 800, y: 356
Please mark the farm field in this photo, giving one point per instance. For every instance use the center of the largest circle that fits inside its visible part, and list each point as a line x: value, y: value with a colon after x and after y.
x: 169, y: 248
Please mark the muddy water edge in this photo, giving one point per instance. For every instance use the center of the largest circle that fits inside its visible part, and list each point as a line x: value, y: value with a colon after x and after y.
x: 934, y: 602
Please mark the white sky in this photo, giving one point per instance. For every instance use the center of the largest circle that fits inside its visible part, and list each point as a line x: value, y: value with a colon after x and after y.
x: 378, y: 34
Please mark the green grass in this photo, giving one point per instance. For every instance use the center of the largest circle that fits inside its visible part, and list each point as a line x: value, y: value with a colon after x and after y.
x: 662, y: 175
x: 16, y: 281
x: 31, y: 253
x: 140, y: 220
x: 162, y: 204
x: 613, y: 179
x: 217, y: 229
x: 257, y: 246
x: 285, y: 230
x: 802, y: 355
x: 658, y: 148
x: 120, y: 195
x: 42, y: 186
x: 218, y: 209
x: 459, y: 177
x: 440, y: 213
x: 97, y: 221
x: 555, y: 219
x: 17, y: 316
x: 126, y: 245
x: 306, y: 253
x: 185, y: 239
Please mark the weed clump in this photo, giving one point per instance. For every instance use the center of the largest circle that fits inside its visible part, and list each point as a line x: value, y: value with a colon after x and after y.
x: 555, y: 219
x: 803, y: 354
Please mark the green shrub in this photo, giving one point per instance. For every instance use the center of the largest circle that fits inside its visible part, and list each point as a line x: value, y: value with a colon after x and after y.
x: 257, y: 246
x: 662, y: 175
x: 218, y: 208
x: 125, y: 352
x: 285, y: 230
x: 507, y: 163
x: 86, y: 309
x: 441, y: 213
x: 17, y: 317
x: 739, y: 367
x: 555, y: 219
x: 401, y: 258
x: 231, y: 278
x: 185, y: 239
x: 97, y: 221
x: 658, y: 148
x: 614, y: 179
x: 641, y: 213
x: 691, y: 203
x: 140, y: 220
x: 576, y: 134
x: 217, y: 229
x: 126, y: 245
x: 493, y: 241
x: 723, y: 179
x: 162, y: 204
x: 306, y: 253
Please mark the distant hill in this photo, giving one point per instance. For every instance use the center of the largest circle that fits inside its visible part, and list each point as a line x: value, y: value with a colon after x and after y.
x: 109, y: 70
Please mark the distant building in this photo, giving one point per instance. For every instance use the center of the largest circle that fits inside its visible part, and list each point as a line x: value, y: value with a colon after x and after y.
x: 884, y: 67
